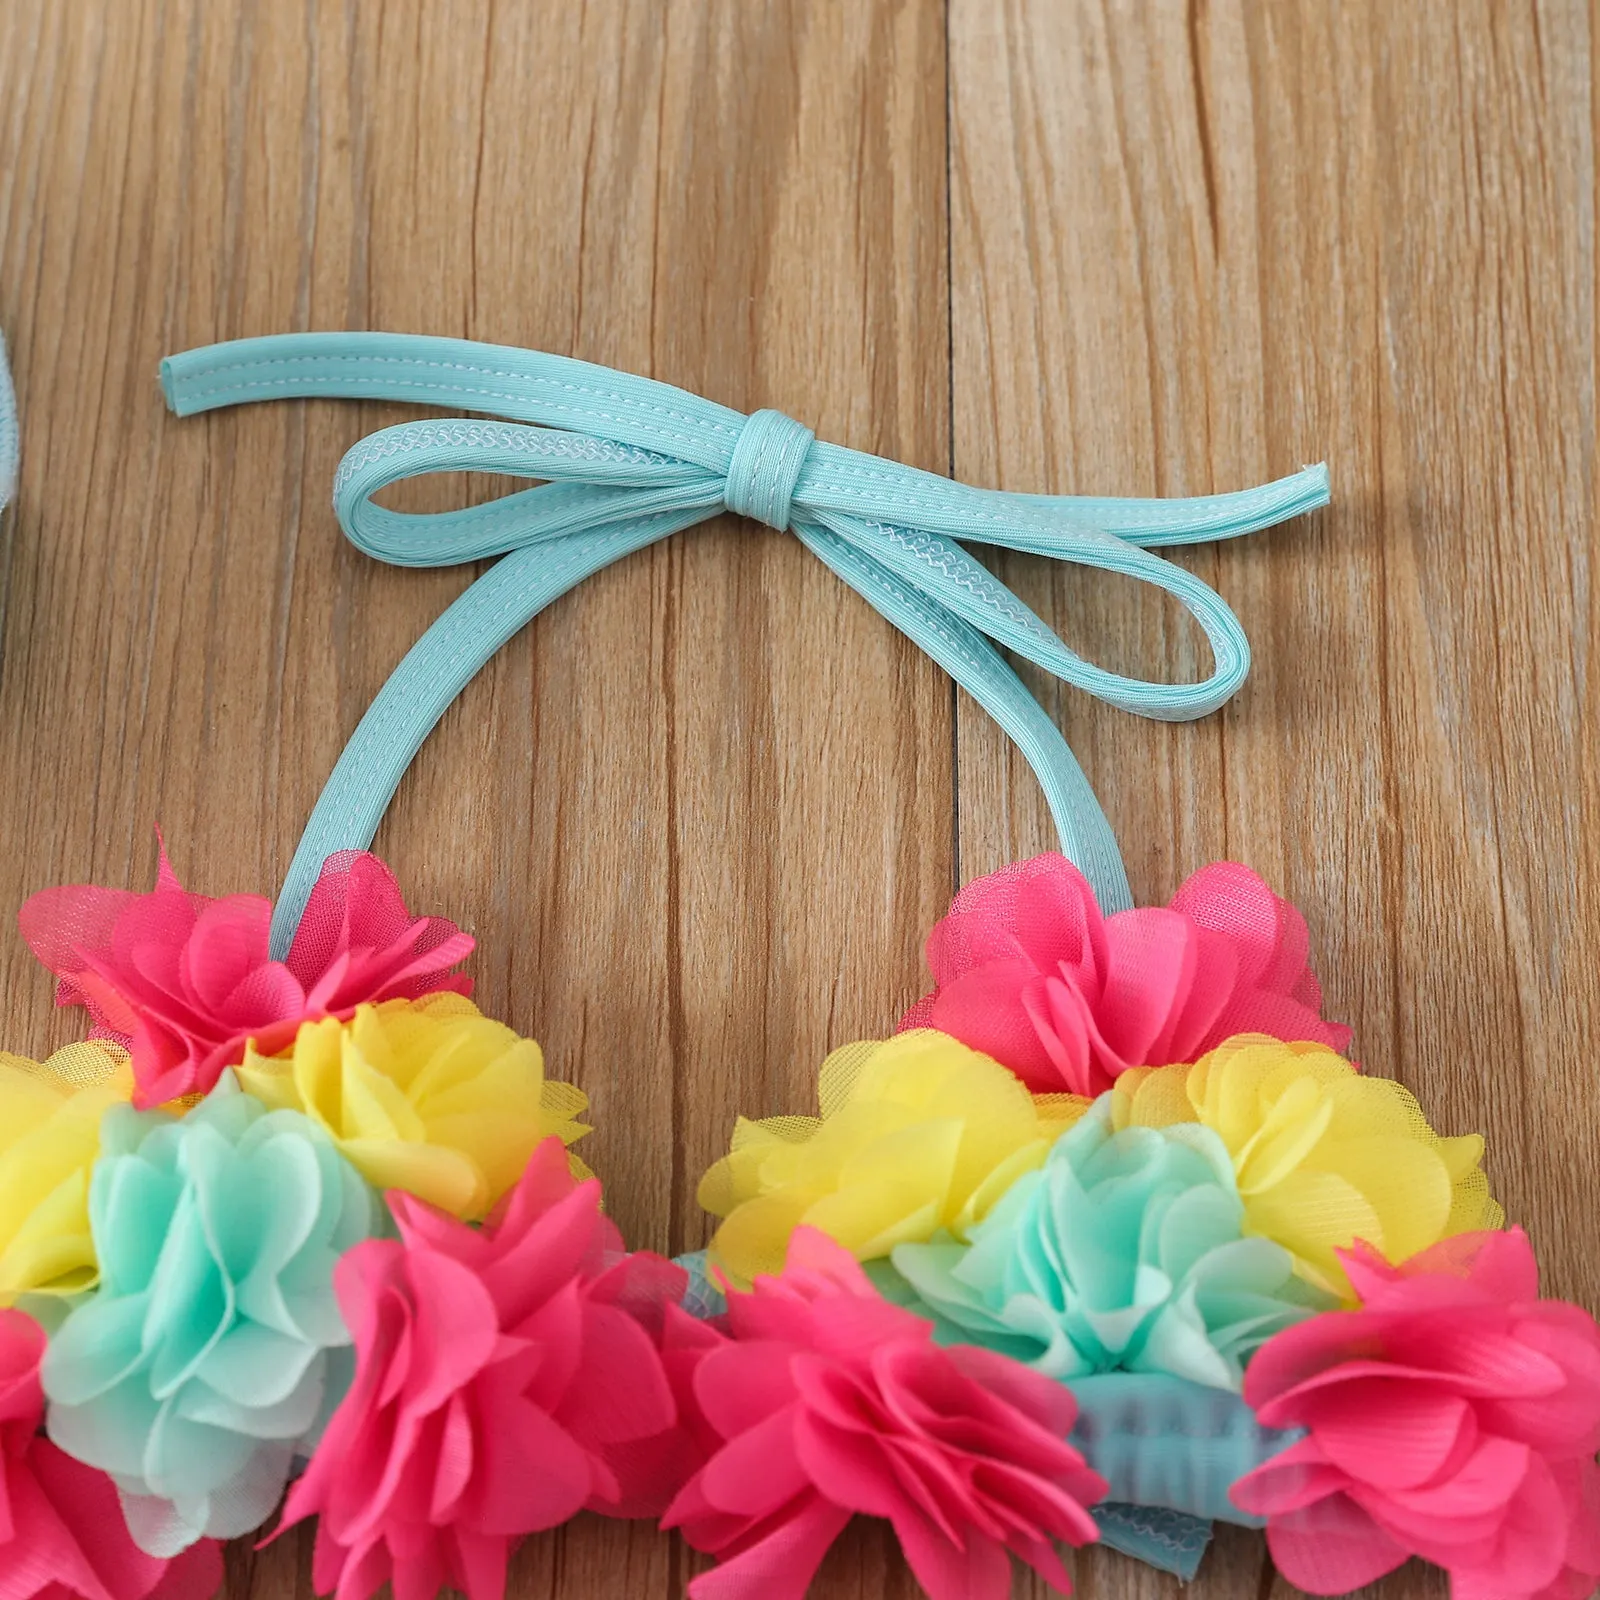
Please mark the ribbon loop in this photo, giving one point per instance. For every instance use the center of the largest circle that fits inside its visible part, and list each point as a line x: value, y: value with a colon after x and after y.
x: 767, y: 459
x: 623, y: 461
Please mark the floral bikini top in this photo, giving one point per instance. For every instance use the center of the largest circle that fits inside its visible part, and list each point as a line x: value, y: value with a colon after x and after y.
x: 1108, y: 1238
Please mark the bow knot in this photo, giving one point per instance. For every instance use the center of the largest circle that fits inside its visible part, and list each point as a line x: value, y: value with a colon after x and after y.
x: 622, y: 461
x: 767, y: 458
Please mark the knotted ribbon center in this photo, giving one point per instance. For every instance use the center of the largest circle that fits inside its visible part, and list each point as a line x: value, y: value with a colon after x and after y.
x: 767, y: 458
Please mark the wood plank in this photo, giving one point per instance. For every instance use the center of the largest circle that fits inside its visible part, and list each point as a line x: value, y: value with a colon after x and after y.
x: 699, y: 817
x: 1195, y: 246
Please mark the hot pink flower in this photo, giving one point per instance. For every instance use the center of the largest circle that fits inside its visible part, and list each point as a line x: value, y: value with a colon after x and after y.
x: 1455, y: 1416
x: 827, y: 1401
x: 62, y: 1533
x: 1030, y: 972
x: 505, y: 1379
x: 187, y: 980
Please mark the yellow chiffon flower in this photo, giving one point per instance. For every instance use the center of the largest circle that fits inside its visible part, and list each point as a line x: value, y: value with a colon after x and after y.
x: 1324, y: 1155
x: 49, y: 1140
x: 917, y: 1134
x: 428, y: 1095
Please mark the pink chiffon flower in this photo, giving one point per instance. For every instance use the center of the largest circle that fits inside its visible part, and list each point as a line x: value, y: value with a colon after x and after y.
x: 186, y: 981
x: 62, y: 1532
x: 827, y: 1400
x: 1029, y: 972
x: 506, y: 1378
x: 1455, y: 1416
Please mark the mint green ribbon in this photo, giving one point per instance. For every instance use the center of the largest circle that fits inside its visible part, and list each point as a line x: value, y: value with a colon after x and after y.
x: 624, y: 461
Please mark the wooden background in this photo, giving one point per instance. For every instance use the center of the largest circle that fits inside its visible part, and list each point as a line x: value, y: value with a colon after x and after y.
x: 702, y: 813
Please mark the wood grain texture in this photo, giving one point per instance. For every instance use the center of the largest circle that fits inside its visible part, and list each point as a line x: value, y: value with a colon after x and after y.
x: 701, y: 813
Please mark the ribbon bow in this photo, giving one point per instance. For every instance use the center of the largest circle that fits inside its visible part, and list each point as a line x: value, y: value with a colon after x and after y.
x: 624, y: 461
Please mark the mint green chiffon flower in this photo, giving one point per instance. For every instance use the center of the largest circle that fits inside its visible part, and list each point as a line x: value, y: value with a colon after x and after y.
x: 1124, y: 1252
x: 208, y: 1354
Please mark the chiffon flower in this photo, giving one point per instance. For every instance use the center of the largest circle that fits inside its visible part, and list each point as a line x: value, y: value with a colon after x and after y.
x: 428, y: 1096
x: 62, y: 1535
x: 1124, y: 1252
x: 505, y: 1379
x: 1029, y: 971
x: 828, y: 1401
x: 1323, y: 1154
x: 202, y: 1363
x: 188, y: 980
x: 1454, y: 1416
x: 49, y: 1138
x: 917, y: 1134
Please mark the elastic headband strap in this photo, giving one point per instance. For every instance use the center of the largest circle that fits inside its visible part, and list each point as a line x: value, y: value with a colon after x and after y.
x: 625, y: 461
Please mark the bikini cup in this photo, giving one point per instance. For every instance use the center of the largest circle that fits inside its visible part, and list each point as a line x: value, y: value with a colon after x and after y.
x: 628, y: 461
